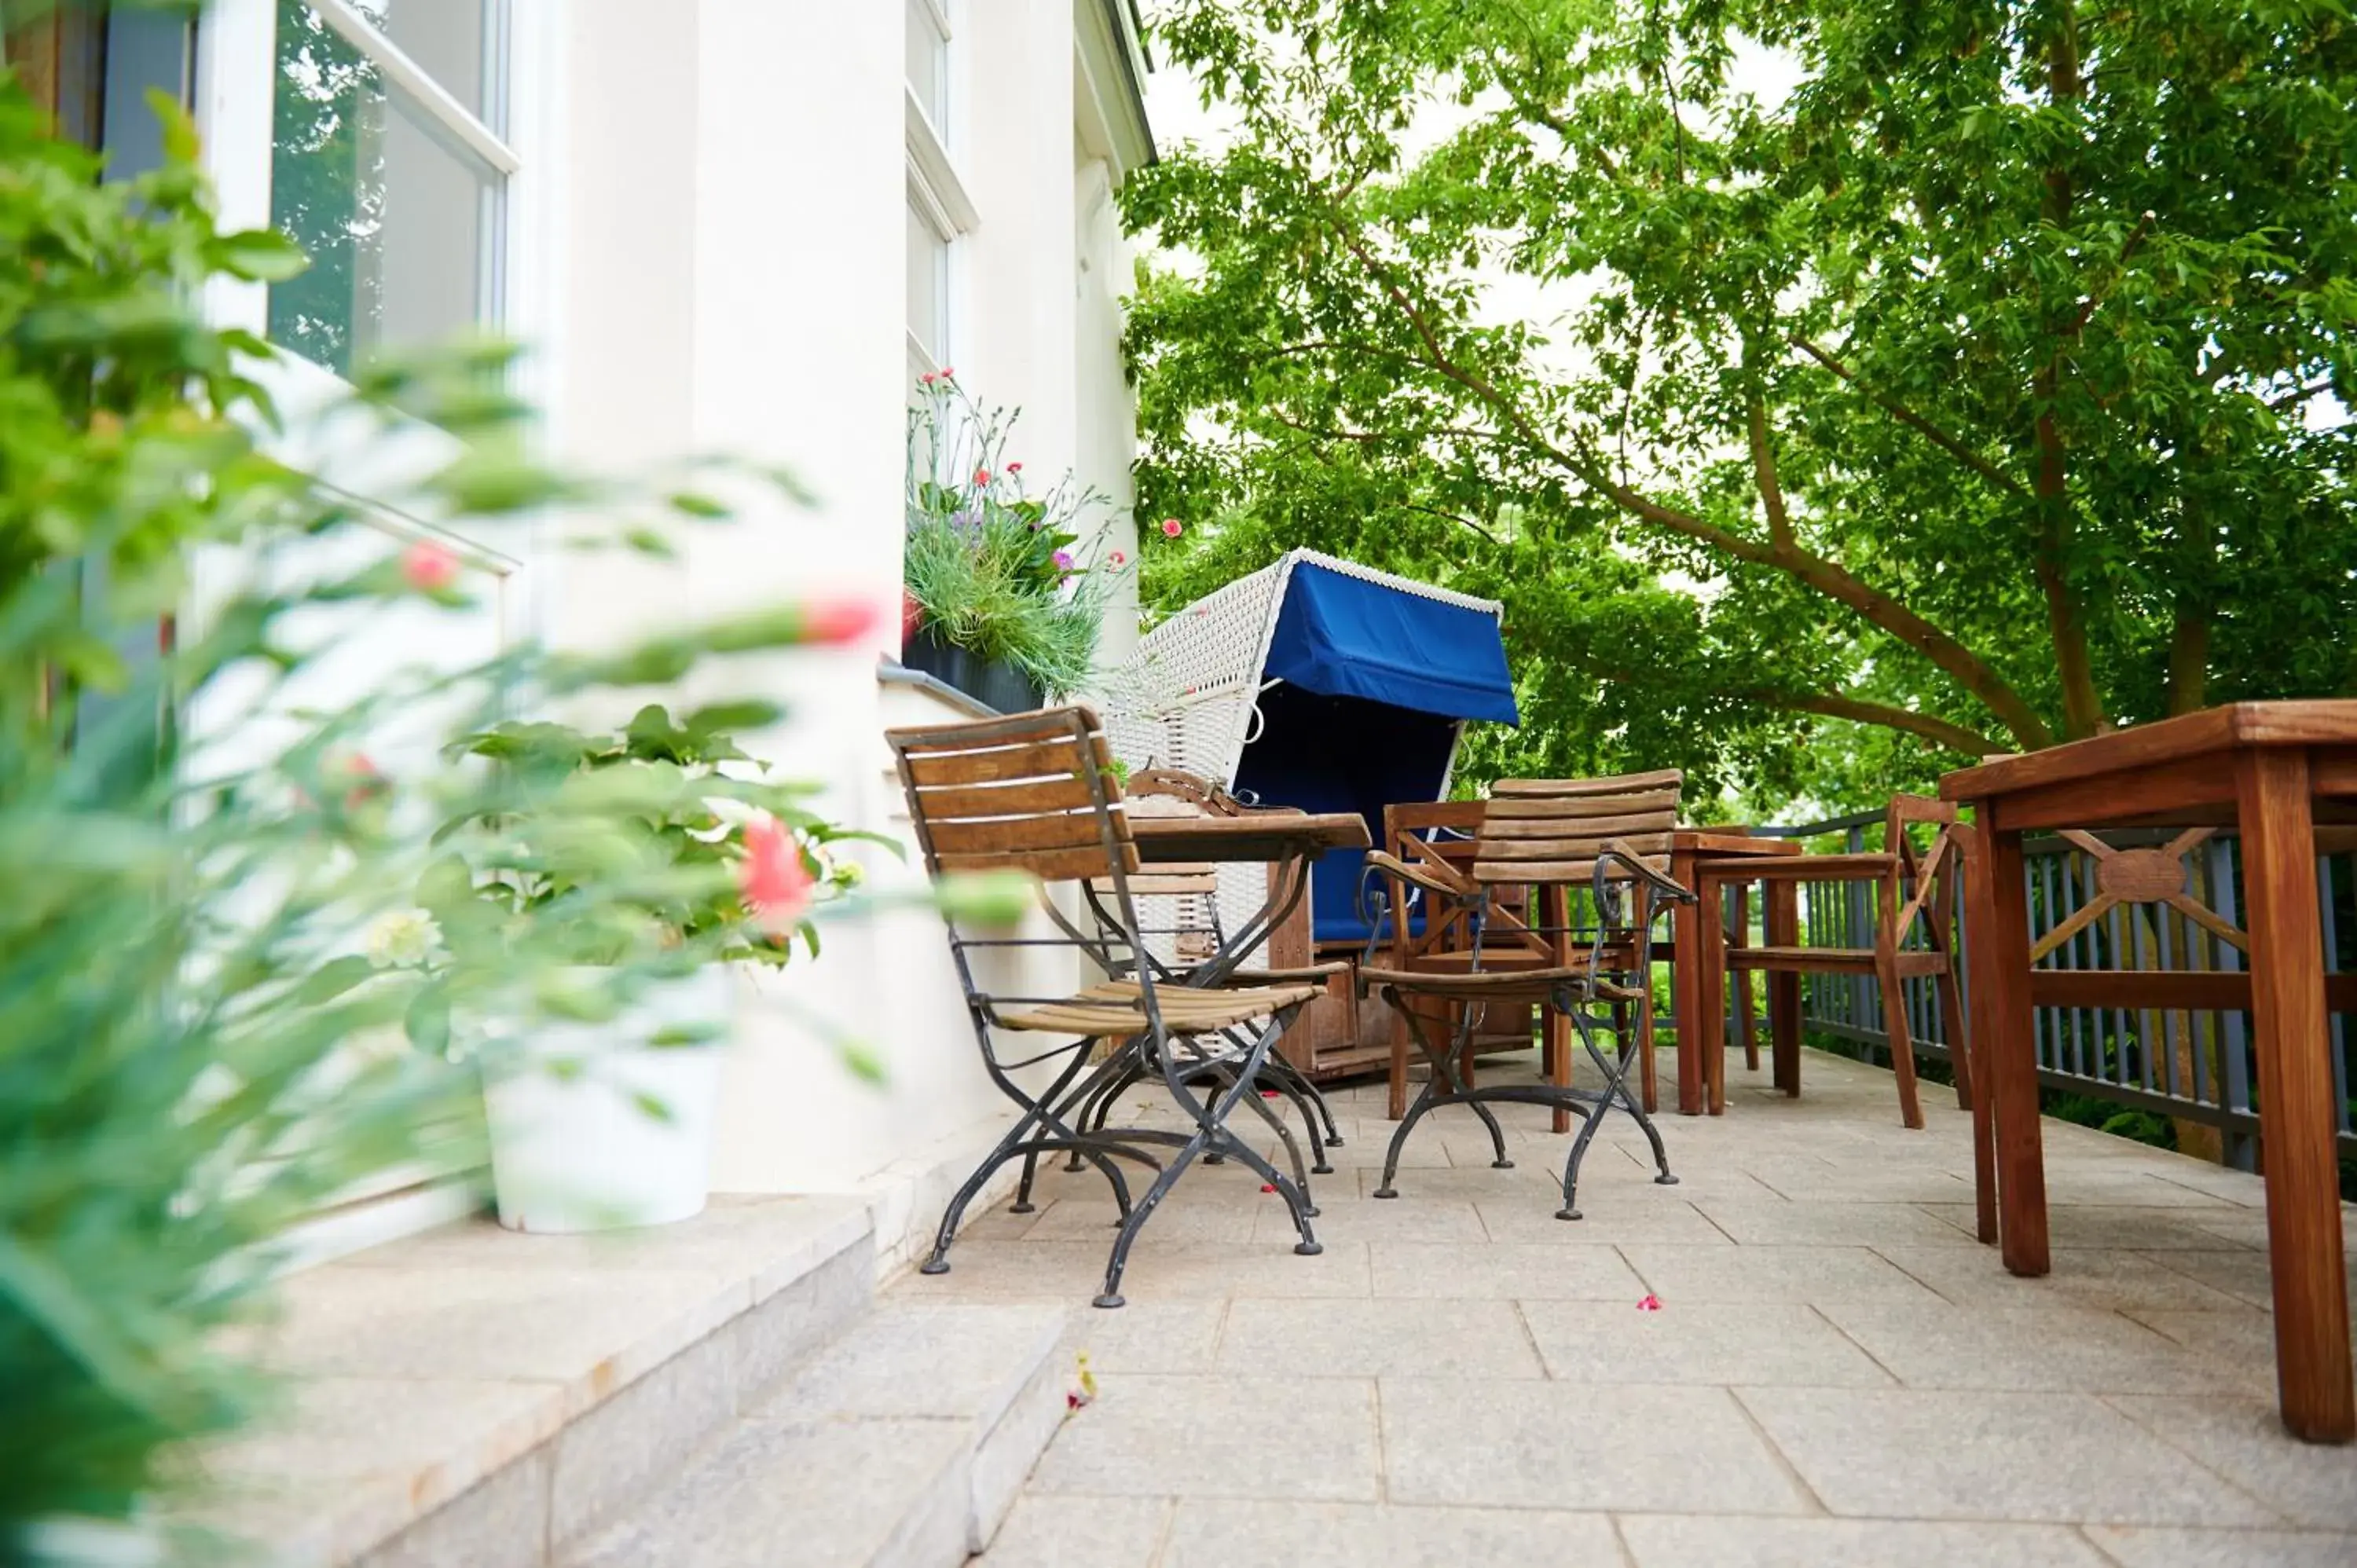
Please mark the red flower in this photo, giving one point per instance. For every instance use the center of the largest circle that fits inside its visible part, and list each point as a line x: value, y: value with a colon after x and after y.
x: 428, y: 566
x: 982, y: 476
x: 1014, y: 467
x: 1650, y: 1304
x: 1266, y: 1187
x: 838, y: 621
x: 1170, y: 528
x: 774, y: 882
x: 929, y: 378
x: 1118, y: 559
x: 947, y: 373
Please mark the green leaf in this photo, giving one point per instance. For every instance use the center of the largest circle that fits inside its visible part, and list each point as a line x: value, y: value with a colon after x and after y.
x: 258, y: 256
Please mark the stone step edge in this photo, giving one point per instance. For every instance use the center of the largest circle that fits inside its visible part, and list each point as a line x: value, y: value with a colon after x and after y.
x: 953, y: 1507
x: 603, y: 1460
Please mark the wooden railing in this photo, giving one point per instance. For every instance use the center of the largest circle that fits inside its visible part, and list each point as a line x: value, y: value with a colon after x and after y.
x: 2192, y: 1065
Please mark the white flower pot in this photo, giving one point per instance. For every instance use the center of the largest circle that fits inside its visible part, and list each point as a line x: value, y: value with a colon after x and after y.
x: 592, y: 1128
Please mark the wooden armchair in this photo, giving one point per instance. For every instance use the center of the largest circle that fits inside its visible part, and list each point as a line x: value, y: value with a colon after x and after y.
x: 1909, y: 885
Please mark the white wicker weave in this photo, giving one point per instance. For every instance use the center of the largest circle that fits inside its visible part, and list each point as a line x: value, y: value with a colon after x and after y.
x: 1188, y: 697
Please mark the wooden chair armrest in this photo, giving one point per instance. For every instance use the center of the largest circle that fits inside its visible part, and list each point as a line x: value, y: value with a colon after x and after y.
x: 1428, y: 876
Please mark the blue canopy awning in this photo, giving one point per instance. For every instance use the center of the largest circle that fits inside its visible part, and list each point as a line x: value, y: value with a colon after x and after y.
x: 1342, y: 635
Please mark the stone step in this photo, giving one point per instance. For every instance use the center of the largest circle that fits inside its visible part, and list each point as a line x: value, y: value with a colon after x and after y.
x: 903, y: 1445
x: 473, y: 1398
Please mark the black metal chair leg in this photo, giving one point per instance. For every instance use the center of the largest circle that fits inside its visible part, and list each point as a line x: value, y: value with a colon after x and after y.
x: 1294, y: 1081
x: 1111, y: 1297
x: 1616, y: 1089
x: 1284, y: 1136
x: 1417, y: 1111
x: 1023, y: 1204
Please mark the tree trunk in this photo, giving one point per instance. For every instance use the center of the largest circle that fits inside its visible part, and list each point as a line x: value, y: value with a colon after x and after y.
x: 2189, y: 659
x: 2083, y: 709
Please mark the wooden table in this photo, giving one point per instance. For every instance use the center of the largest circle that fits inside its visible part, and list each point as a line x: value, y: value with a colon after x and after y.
x: 1286, y: 841
x: 2275, y: 769
x: 1690, y: 849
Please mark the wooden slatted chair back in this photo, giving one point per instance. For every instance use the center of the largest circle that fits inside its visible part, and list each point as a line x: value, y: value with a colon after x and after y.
x: 1551, y: 831
x: 1034, y: 793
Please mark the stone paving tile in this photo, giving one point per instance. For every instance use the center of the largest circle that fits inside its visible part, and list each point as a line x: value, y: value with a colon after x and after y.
x: 1832, y: 1224
x: 1095, y: 1220
x: 2142, y: 1548
x: 1771, y: 1273
x: 1158, y: 1270
x: 1686, y: 1342
x: 2113, y: 1281
x: 2079, y: 1183
x: 1860, y: 1182
x: 2031, y: 1457
x: 1654, y: 1214
x: 2244, y: 1275
x: 2244, y: 1441
x: 1294, y: 1439
x: 1549, y: 1445
x: 1662, y: 1541
x: 1363, y: 1535
x: 1502, y: 1271
x: 1049, y: 1531
x: 1384, y: 1337
x: 2092, y: 1227
x: 2031, y: 1348
x: 1369, y: 1219
x: 1149, y: 1335
x: 1526, y: 1183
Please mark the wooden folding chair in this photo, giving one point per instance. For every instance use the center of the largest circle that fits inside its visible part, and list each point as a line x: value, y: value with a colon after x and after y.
x: 1541, y: 838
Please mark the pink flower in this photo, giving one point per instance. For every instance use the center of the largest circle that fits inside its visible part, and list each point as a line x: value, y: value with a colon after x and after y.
x: 948, y: 374
x: 1118, y: 559
x: 775, y: 884
x: 1650, y: 1304
x: 429, y: 567
x: 1014, y: 467
x: 838, y: 621
x: 929, y: 378
x: 1170, y: 528
x: 982, y: 476
x: 1063, y: 558
x: 367, y: 784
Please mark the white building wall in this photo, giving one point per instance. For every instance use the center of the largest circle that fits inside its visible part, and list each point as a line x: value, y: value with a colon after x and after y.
x: 732, y: 278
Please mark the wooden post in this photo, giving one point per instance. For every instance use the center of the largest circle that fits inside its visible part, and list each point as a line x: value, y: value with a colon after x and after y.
x: 1783, y: 931
x: 1686, y: 971
x: 2296, y: 1095
x: 1709, y: 989
x: 2005, y: 1058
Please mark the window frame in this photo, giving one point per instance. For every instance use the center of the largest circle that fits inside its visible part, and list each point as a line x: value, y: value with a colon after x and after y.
x: 936, y: 193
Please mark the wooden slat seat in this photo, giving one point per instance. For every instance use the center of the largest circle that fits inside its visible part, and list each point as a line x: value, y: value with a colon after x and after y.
x: 1116, y: 1008
x: 1833, y: 961
x: 1532, y: 985
x: 1295, y: 974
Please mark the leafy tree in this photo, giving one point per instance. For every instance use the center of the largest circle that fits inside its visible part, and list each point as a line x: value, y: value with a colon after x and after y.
x: 1986, y: 389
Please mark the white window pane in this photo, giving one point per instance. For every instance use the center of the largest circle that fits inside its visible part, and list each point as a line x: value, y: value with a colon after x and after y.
x: 451, y: 39
x: 928, y: 64
x: 928, y: 285
x: 397, y: 217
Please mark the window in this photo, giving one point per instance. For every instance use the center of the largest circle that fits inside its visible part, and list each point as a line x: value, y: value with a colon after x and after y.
x: 938, y: 209
x: 389, y: 166
x: 929, y: 60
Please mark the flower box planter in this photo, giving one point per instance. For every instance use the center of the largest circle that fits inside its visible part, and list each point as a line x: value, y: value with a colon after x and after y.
x: 989, y: 682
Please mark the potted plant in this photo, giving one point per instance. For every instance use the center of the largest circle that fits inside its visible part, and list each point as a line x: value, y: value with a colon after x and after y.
x: 1003, y: 597
x: 654, y: 858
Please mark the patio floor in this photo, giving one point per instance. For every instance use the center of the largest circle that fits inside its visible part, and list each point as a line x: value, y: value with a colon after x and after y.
x: 1837, y: 1372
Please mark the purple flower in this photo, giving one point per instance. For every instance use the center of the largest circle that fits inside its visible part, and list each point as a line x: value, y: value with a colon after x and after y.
x: 964, y: 519
x: 1064, y: 560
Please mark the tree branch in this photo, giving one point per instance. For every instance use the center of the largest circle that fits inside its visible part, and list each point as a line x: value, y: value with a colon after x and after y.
x: 1828, y: 577
x: 1763, y: 474
x: 1451, y: 517
x: 1954, y: 736
x: 1914, y: 421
